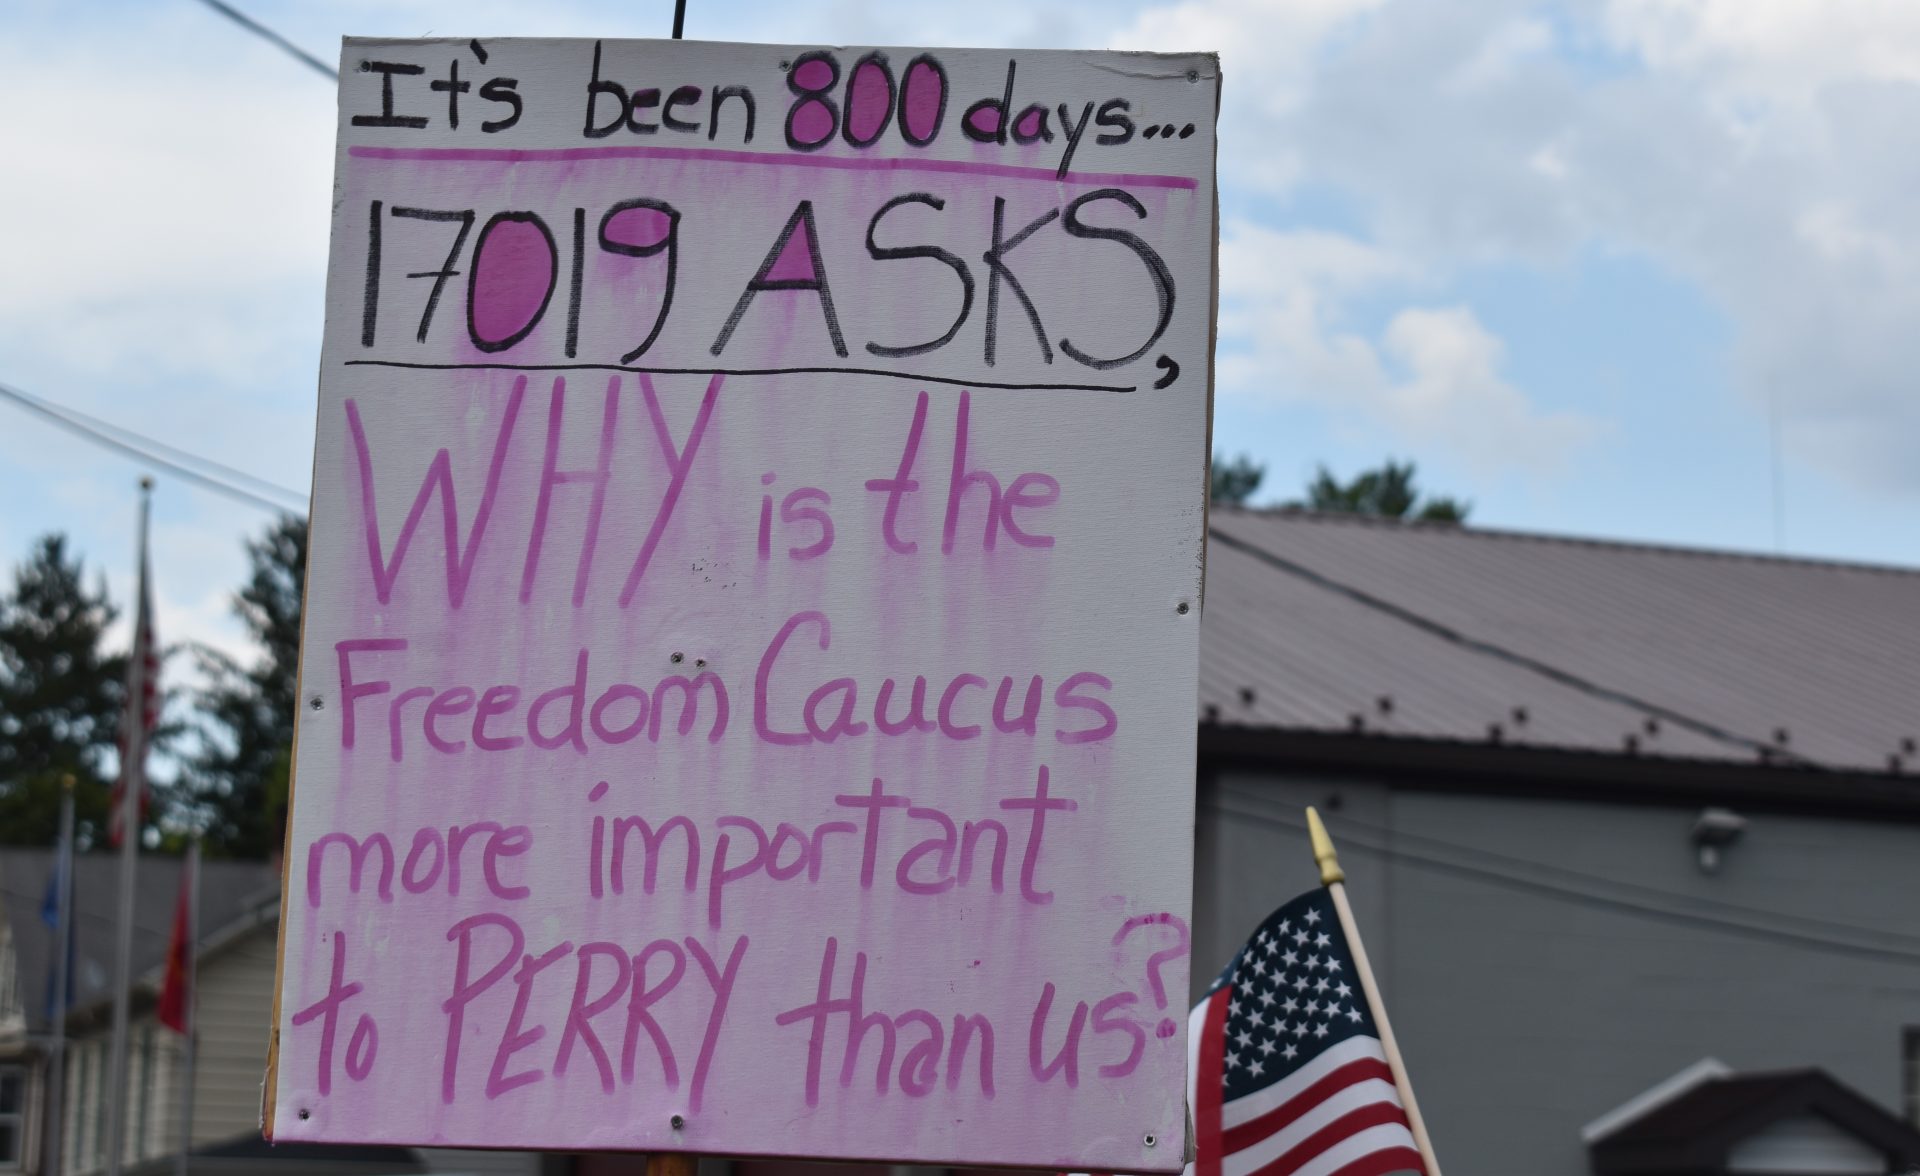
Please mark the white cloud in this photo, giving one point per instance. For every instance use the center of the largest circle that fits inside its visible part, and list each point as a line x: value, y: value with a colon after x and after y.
x: 1258, y: 261
x: 135, y: 206
x: 1806, y: 128
x: 1767, y: 153
x: 1267, y: 49
x: 1267, y: 58
x: 1452, y: 394
x: 1775, y: 47
x: 1502, y: 53
x: 169, y: 196
x: 1280, y: 297
x: 1432, y: 379
x: 166, y: 244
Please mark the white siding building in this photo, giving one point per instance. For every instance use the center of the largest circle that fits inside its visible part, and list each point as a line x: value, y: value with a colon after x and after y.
x: 239, y: 921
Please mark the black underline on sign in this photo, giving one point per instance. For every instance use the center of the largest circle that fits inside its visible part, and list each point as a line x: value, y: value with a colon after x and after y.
x: 789, y: 371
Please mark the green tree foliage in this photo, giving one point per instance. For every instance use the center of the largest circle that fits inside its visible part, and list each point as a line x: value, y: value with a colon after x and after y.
x: 61, y: 698
x: 234, y: 789
x: 1388, y: 492
x: 1234, y: 480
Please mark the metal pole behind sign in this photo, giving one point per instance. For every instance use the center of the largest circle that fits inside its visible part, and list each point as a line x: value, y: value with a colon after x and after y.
x: 62, y: 978
x: 192, y: 978
x: 133, y: 786
x: 679, y: 18
x: 671, y: 1164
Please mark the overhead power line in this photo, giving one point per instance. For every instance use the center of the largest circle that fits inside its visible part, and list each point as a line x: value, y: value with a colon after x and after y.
x: 213, y: 475
x: 142, y: 440
x: 263, y: 32
x: 1578, y: 879
x: 1642, y: 908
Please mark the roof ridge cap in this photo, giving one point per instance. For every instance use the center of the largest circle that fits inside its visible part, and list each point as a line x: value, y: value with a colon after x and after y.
x: 1510, y: 534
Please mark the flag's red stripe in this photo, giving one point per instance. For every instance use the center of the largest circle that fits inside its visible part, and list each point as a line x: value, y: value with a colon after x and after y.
x: 1394, y: 1159
x: 1254, y: 1130
x: 1211, y: 1084
x: 172, y: 1011
x: 1351, y: 1123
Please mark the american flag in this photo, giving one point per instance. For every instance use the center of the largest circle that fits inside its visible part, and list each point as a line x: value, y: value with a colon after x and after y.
x: 1288, y: 1071
x: 143, y: 676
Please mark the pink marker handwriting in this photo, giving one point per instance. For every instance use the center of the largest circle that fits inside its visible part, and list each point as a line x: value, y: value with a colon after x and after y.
x: 632, y: 851
x: 791, y: 707
x: 598, y: 1014
x: 797, y: 715
x: 463, y: 556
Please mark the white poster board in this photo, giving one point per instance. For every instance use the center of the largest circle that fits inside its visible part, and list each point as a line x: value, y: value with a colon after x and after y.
x: 748, y: 685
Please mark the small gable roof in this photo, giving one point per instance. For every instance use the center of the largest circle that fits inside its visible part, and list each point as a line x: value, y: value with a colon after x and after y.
x: 1697, y: 1130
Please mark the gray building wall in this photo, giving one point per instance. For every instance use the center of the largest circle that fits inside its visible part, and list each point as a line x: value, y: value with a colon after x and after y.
x: 1526, y: 1011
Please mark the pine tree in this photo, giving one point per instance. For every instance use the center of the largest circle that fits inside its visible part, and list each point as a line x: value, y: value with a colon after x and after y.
x: 235, y: 788
x: 1234, y: 480
x: 61, y: 698
x: 1388, y: 492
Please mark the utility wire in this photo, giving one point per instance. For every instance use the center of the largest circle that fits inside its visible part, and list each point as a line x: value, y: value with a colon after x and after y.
x: 139, y: 450
x: 262, y: 31
x: 1579, y: 879
x: 1642, y: 909
x: 141, y: 440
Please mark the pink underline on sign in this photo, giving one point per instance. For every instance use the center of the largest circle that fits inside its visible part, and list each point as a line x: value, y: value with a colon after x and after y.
x: 875, y: 163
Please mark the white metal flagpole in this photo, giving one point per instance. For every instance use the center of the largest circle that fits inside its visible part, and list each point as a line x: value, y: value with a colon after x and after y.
x: 133, y: 785
x: 62, y: 958
x: 193, y: 1003
x: 1334, y: 878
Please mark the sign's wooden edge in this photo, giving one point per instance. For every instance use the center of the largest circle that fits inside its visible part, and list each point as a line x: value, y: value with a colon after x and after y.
x: 1189, y: 1147
x: 1213, y: 342
x: 270, y: 1087
x: 269, y: 1093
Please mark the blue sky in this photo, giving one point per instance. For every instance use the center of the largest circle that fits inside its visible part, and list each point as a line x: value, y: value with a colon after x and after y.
x: 1590, y: 264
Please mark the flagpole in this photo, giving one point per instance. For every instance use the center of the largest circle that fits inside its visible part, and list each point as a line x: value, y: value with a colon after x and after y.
x: 62, y: 958
x: 192, y: 883
x: 1334, y: 879
x: 133, y: 785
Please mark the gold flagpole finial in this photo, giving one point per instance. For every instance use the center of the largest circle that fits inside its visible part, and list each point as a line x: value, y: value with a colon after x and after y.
x: 1330, y: 871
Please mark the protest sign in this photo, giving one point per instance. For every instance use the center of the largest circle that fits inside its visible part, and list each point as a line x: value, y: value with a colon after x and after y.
x: 748, y: 684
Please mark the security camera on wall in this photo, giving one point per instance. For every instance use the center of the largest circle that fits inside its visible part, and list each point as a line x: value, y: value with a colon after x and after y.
x: 1713, y: 830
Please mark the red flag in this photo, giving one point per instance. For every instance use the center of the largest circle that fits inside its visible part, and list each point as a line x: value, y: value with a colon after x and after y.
x: 143, y: 679
x: 175, y: 997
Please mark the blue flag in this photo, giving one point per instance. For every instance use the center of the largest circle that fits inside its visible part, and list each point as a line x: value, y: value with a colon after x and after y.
x: 50, y: 915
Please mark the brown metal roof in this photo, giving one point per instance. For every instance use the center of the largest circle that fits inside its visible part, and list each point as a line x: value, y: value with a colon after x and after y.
x: 1325, y: 623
